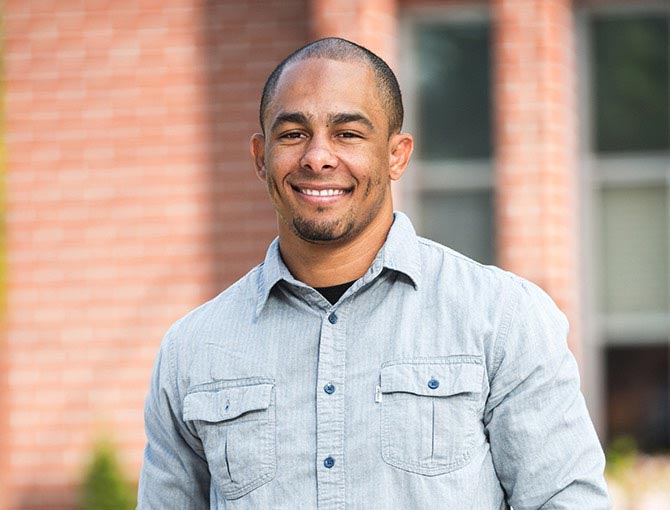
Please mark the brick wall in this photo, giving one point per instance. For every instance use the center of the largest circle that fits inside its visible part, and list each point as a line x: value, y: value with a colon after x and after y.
x: 535, y: 130
x: 131, y: 199
x: 243, y: 43
x: 372, y: 23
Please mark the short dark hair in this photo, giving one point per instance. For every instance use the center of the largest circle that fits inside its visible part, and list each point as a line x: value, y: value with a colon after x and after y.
x: 335, y: 48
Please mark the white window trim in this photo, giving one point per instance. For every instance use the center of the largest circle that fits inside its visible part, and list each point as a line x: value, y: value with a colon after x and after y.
x: 599, y: 330
x: 453, y: 175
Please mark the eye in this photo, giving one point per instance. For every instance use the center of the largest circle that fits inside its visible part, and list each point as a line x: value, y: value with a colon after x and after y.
x: 292, y: 135
x: 348, y: 134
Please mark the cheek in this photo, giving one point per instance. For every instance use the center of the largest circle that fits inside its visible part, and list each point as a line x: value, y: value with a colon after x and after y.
x: 278, y: 167
x: 280, y: 163
x: 374, y: 169
x: 364, y: 166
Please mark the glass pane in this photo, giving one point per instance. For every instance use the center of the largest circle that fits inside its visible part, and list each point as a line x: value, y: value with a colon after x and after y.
x: 630, y: 89
x: 453, y: 78
x: 637, y: 395
x: 463, y: 221
x: 635, y: 249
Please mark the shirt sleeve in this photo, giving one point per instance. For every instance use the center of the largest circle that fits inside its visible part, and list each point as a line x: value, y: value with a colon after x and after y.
x: 544, y: 447
x: 174, y: 473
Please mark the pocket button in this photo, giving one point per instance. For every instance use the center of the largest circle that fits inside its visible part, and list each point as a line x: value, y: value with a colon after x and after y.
x: 433, y: 384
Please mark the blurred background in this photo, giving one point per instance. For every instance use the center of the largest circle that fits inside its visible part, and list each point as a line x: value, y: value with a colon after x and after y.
x: 128, y: 198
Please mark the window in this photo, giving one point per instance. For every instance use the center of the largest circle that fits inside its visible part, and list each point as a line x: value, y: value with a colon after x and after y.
x: 628, y: 162
x: 449, y: 68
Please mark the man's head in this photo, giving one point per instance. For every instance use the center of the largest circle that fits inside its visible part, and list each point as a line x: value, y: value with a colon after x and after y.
x: 330, y: 148
x: 341, y: 50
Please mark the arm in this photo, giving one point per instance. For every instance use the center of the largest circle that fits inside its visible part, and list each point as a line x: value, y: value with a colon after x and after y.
x: 174, y: 472
x: 544, y: 447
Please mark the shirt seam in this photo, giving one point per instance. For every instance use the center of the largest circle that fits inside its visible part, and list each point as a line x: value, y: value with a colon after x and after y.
x: 172, y: 367
x: 172, y: 372
x: 449, y: 251
x: 508, y: 318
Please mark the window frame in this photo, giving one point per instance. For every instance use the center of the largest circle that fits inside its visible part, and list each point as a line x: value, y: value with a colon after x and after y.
x: 601, y: 171
x: 597, y: 172
x: 448, y: 175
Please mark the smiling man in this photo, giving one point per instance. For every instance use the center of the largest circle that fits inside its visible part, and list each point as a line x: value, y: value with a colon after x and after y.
x: 361, y: 366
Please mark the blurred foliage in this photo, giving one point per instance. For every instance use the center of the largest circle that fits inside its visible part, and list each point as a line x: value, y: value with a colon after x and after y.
x: 104, y: 486
x: 621, y: 455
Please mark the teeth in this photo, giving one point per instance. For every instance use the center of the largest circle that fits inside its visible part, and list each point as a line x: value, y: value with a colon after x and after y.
x: 323, y: 192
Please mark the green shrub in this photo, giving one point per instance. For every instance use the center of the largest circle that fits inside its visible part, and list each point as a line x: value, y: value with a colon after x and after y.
x: 104, y: 486
x: 621, y: 454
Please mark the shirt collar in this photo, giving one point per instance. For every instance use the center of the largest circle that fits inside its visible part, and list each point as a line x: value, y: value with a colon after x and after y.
x: 401, y: 249
x: 400, y: 252
x: 272, y: 271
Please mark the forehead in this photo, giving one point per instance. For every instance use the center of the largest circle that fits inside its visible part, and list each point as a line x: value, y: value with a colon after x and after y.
x: 318, y: 85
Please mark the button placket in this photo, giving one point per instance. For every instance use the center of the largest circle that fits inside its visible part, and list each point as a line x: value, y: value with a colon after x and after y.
x: 330, y: 410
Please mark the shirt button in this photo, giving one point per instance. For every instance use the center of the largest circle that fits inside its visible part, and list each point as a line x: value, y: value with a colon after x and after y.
x: 329, y: 462
x: 433, y: 384
x: 329, y: 388
x: 332, y: 318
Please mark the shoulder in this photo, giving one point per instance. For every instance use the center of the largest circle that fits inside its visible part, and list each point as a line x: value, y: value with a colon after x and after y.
x: 488, y: 289
x: 235, y: 303
x: 459, y: 273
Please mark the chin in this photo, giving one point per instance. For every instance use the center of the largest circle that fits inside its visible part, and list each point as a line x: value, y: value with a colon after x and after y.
x: 321, y: 231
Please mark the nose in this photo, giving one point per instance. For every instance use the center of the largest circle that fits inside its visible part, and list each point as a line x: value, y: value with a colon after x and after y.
x: 318, y: 156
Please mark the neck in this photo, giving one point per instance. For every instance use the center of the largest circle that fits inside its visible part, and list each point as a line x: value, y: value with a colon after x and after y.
x: 328, y: 264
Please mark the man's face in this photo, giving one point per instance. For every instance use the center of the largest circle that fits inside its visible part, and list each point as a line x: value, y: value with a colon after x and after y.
x: 327, y: 156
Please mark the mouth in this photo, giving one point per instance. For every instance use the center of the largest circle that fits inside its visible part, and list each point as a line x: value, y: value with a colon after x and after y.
x: 330, y: 192
x: 321, y: 194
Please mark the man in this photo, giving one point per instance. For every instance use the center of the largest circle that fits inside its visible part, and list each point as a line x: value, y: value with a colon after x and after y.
x: 361, y: 366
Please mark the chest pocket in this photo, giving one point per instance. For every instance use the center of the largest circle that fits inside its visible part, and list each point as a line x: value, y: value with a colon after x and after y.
x: 236, y: 423
x: 430, y: 412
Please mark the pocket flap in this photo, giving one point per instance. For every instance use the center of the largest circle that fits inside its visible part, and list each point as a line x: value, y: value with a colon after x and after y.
x: 433, y: 379
x: 226, y: 403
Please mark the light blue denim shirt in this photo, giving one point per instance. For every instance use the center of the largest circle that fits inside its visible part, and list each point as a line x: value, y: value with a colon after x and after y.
x: 433, y: 383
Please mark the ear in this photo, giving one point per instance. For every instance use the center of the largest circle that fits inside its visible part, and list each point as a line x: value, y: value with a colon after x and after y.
x: 258, y: 155
x: 401, y: 146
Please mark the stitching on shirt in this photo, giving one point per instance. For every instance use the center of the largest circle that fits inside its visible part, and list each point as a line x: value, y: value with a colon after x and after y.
x: 268, y: 464
x: 431, y: 468
x: 172, y: 371
x: 506, y: 325
x: 445, y: 249
x: 437, y: 469
x: 223, y: 384
x: 439, y: 360
x: 241, y: 491
x: 269, y: 467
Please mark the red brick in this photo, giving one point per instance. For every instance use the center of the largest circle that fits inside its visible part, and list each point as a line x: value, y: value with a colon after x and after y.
x: 114, y: 227
x: 536, y: 146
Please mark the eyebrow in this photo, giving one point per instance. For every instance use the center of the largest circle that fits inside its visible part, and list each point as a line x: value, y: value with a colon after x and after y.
x: 334, y: 118
x: 345, y: 118
x: 290, y: 118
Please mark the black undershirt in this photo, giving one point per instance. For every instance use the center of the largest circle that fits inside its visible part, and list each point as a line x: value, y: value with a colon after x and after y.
x: 334, y: 292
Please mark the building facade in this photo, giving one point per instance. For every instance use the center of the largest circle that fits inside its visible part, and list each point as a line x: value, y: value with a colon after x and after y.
x: 543, y: 131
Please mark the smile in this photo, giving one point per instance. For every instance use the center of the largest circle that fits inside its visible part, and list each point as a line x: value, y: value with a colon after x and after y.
x: 321, y: 192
